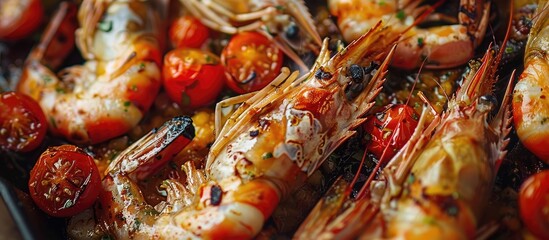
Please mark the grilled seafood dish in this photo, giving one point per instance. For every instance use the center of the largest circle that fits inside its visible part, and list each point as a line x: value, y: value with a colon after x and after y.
x: 246, y: 172
x: 369, y: 139
x: 438, y: 184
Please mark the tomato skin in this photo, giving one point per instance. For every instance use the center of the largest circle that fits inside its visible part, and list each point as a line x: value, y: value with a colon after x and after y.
x: 64, y: 181
x: 18, y: 24
x: 188, y: 31
x: 23, y: 124
x: 192, y: 77
x: 251, y: 62
x: 399, y: 120
x: 533, y: 202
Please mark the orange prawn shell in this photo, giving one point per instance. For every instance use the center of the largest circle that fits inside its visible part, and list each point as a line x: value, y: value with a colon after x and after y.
x: 531, y: 108
x: 530, y: 103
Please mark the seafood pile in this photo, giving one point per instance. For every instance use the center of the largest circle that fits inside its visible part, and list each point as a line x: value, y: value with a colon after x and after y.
x: 159, y: 119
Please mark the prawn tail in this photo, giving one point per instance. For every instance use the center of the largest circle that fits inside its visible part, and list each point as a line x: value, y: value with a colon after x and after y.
x: 54, y: 46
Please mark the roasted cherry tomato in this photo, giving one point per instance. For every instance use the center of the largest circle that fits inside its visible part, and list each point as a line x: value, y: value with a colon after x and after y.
x: 390, y: 128
x: 64, y: 181
x: 534, y: 202
x: 189, y: 32
x: 251, y: 62
x: 192, y: 77
x: 23, y: 125
x: 19, y: 18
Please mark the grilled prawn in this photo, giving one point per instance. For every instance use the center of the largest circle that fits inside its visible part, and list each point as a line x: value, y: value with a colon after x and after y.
x: 442, y: 46
x: 265, y: 150
x: 530, y: 103
x: 437, y: 186
x: 109, y: 94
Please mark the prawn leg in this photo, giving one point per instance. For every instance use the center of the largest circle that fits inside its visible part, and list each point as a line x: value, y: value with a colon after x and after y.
x: 53, y: 48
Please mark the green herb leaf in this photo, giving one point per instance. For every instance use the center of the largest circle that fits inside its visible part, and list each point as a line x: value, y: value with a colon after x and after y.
x: 105, y: 26
x: 401, y: 15
x: 420, y: 42
x: 267, y: 155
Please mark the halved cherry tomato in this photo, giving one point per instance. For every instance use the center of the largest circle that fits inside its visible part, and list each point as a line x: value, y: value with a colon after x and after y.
x: 534, y: 202
x: 19, y: 18
x: 64, y: 181
x: 390, y: 128
x: 188, y: 31
x: 23, y: 125
x: 192, y: 77
x: 251, y: 62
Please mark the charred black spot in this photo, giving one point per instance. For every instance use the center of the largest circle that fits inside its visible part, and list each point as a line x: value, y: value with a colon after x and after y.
x: 254, y: 133
x: 215, y: 195
x: 321, y: 74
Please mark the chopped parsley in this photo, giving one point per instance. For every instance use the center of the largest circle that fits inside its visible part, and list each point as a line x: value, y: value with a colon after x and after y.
x: 267, y: 155
x: 420, y: 42
x: 401, y: 15
x: 105, y: 26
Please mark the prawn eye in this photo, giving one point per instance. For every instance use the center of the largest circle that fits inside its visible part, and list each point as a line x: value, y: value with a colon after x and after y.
x: 356, y: 73
x: 292, y: 32
x: 487, y: 102
x: 360, y: 77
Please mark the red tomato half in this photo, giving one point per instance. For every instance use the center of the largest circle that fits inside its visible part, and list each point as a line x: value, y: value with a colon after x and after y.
x: 23, y: 125
x: 251, y: 62
x: 189, y: 32
x: 19, y: 18
x: 64, y: 181
x: 533, y: 202
x: 391, y: 128
x: 192, y: 77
